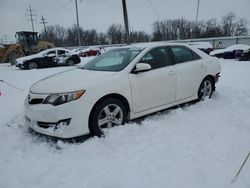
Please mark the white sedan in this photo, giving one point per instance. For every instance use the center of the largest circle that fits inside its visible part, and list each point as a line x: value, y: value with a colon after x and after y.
x: 120, y: 85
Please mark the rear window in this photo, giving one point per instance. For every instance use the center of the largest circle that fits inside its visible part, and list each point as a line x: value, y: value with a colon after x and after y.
x: 183, y: 54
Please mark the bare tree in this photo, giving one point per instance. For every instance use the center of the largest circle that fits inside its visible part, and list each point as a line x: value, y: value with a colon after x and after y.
x: 116, y: 34
x: 139, y: 36
x: 228, y: 24
x: 241, y: 27
x: 55, y: 34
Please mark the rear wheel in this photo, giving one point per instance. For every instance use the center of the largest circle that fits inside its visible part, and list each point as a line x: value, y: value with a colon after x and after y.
x: 70, y: 63
x: 105, y: 115
x: 205, y: 89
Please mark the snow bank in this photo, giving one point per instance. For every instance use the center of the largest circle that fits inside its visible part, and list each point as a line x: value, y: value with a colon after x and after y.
x: 195, y: 145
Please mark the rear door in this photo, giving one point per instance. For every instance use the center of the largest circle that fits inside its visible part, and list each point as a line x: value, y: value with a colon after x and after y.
x: 190, y: 69
x: 62, y: 56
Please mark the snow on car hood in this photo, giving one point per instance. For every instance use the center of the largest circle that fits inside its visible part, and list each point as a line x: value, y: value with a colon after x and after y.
x: 70, y: 80
x: 22, y: 59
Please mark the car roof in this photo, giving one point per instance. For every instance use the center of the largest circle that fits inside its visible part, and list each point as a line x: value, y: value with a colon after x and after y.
x: 151, y: 45
x: 51, y: 49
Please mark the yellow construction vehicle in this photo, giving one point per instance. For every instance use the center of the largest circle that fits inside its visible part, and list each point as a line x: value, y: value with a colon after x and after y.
x: 27, y: 43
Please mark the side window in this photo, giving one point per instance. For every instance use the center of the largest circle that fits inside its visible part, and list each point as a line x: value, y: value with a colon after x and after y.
x: 51, y: 53
x: 183, y: 54
x: 61, y: 53
x: 157, y: 58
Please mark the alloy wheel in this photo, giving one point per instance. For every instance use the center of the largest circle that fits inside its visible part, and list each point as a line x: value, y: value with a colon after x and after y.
x: 111, y: 115
x: 206, y: 89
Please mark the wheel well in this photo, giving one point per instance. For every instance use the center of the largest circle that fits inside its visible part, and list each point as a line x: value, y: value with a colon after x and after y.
x: 210, y: 77
x: 113, y: 95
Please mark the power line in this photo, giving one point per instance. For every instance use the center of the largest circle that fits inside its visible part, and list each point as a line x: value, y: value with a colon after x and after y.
x: 52, y: 9
x: 46, y: 5
x: 60, y: 9
x: 31, y: 16
x: 152, y: 6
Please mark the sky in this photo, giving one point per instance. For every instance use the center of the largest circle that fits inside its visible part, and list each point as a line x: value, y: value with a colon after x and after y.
x: 100, y: 14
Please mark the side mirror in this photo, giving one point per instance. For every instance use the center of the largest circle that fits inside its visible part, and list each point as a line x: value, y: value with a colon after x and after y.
x: 141, y: 67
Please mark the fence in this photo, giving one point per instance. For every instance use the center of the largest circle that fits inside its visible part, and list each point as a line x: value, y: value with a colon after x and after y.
x: 218, y: 42
x: 221, y: 42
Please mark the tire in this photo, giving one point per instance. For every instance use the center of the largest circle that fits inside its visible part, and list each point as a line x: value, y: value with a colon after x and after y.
x: 71, y: 63
x: 105, y: 115
x: 206, y: 89
x: 32, y: 65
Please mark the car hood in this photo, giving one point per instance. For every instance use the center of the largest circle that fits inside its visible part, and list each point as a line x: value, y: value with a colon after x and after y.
x: 230, y: 49
x: 71, y: 80
x: 214, y: 52
x: 22, y: 59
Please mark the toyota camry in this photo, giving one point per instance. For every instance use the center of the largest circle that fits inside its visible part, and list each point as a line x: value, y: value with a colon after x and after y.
x: 120, y: 85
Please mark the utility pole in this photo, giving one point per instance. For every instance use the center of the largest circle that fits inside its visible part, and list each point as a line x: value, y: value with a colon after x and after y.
x: 1, y: 41
x: 44, y: 22
x: 196, y: 19
x: 78, y: 29
x: 5, y: 37
x: 125, y: 15
x: 31, y: 16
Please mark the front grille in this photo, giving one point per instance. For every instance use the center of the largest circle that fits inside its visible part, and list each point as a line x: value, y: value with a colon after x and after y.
x: 55, y: 125
x: 36, y: 101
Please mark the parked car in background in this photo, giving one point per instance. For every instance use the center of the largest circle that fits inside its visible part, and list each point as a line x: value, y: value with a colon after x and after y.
x: 245, y: 55
x: 230, y: 52
x: 203, y: 46
x: 91, y: 51
x: 48, y: 58
x: 120, y: 85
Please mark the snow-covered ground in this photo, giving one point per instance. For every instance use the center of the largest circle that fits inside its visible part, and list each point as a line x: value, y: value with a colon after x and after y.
x: 196, y: 145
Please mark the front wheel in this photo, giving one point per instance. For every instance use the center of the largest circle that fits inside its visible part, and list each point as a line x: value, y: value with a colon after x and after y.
x: 32, y: 65
x: 105, y: 115
x: 205, y: 89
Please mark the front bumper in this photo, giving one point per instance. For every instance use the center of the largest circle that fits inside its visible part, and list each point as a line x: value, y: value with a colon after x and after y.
x: 19, y: 65
x: 64, y: 121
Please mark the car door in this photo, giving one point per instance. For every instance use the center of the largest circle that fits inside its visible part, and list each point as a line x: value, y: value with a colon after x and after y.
x: 156, y: 87
x: 49, y: 59
x: 190, y: 69
x: 62, y: 56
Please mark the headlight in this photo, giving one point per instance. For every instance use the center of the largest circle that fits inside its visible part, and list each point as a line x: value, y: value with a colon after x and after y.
x: 61, y: 98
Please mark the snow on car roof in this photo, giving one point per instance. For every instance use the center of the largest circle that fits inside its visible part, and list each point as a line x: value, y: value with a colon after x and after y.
x: 51, y: 49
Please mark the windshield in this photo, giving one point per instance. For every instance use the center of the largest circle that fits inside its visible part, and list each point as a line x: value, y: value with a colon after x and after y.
x: 113, y: 60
